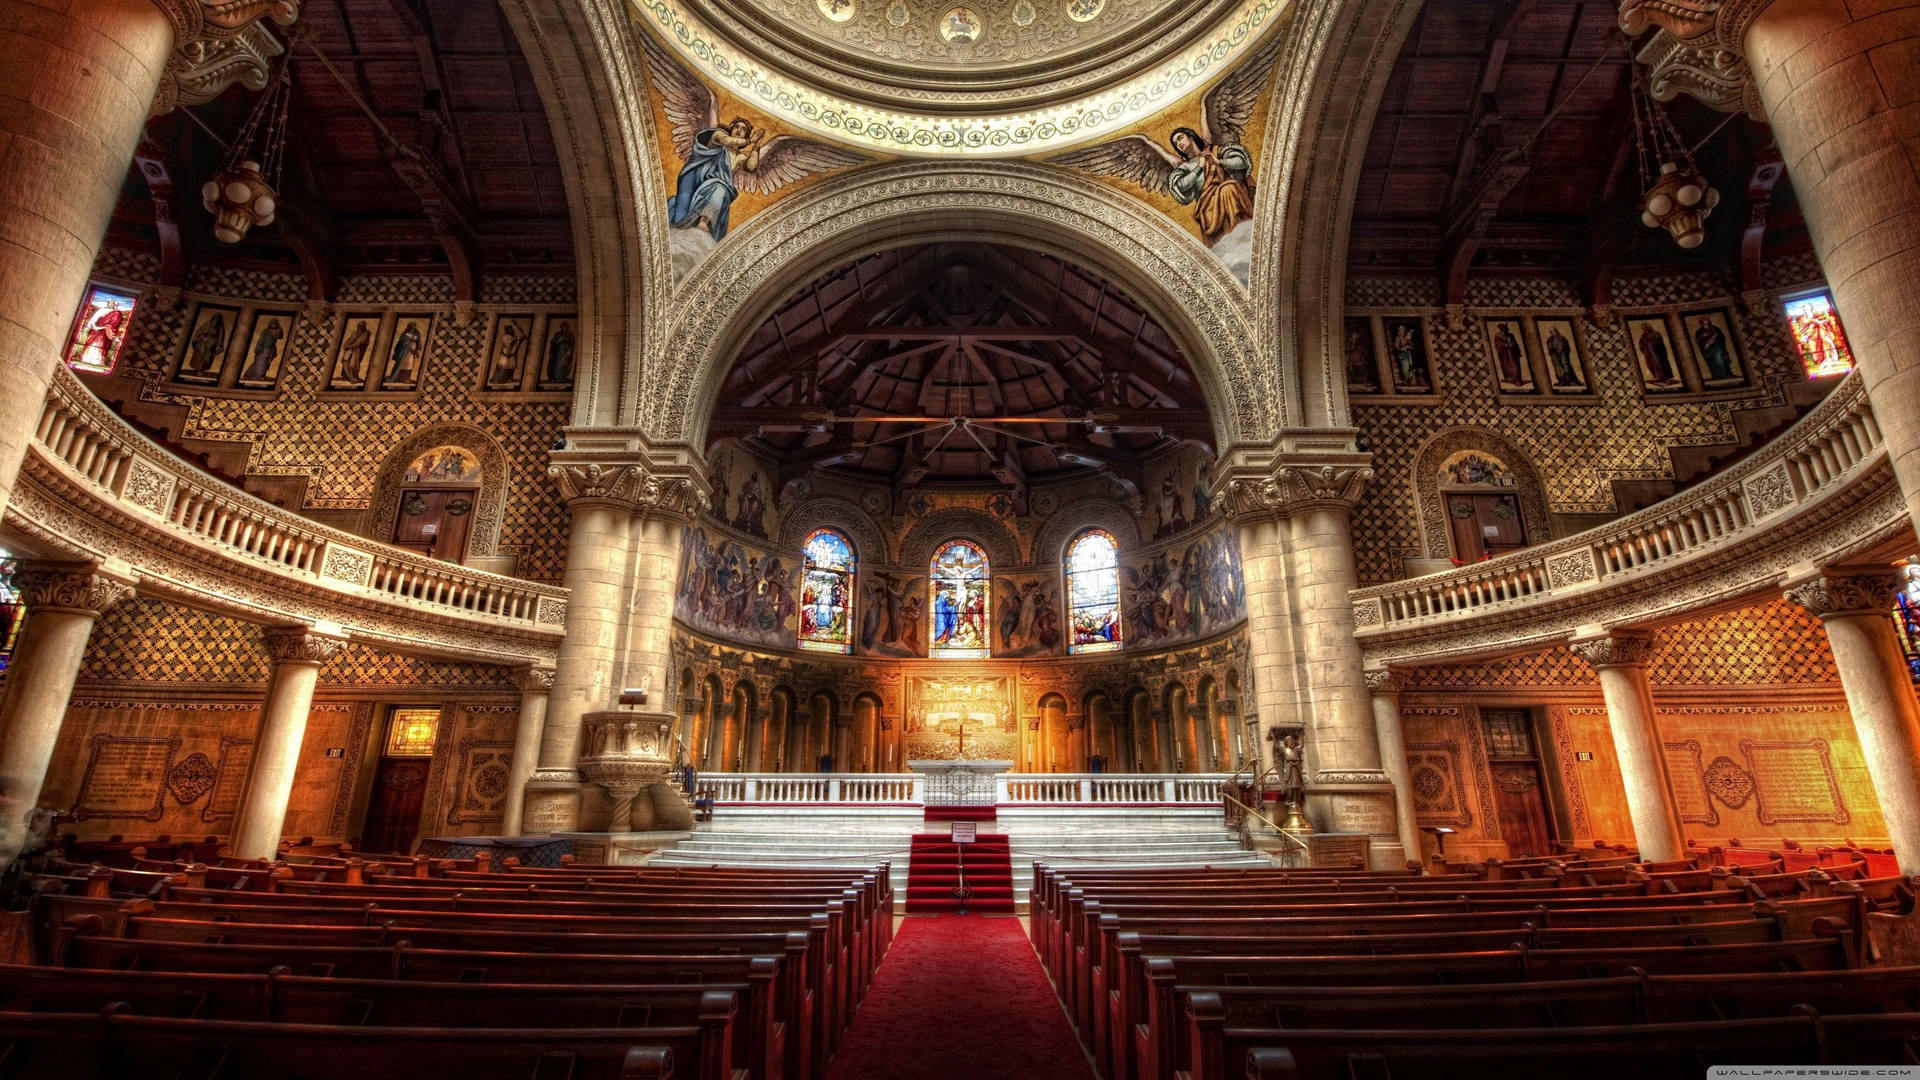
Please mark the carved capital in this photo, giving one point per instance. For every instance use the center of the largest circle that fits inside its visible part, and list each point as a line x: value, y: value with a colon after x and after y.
x: 1613, y: 650
x: 1385, y: 681
x: 1292, y: 488
x: 1839, y: 591
x: 594, y: 484
x: 679, y: 497
x: 632, y: 486
x: 1700, y: 50
x: 533, y: 680
x: 218, y: 43
x: 301, y: 645
x: 81, y: 588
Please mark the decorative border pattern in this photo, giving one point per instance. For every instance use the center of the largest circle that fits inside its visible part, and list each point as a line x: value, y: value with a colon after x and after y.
x: 1442, y: 757
x: 1695, y: 775
x: 228, y: 745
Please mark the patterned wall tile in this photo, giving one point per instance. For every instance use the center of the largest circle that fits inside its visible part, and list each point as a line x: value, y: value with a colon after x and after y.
x: 1577, y: 448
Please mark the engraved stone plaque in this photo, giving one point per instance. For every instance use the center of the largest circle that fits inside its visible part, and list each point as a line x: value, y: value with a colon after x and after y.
x: 126, y: 778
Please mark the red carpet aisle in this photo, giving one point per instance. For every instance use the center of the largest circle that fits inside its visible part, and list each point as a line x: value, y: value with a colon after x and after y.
x: 960, y: 997
x: 933, y: 869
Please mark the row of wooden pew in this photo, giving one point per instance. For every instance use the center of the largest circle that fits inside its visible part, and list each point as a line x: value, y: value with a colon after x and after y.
x: 409, y: 969
x: 1571, y: 967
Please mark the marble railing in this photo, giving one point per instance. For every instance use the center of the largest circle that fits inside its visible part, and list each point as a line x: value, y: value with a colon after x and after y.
x: 855, y: 788
x: 1097, y: 788
x: 1821, y: 491
x: 93, y: 487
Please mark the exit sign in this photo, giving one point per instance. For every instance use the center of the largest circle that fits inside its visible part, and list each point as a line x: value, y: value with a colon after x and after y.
x: 336, y: 751
x: 1583, y: 755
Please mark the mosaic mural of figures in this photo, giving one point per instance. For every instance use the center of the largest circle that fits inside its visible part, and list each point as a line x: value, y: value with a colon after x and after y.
x: 742, y: 490
x: 892, y: 614
x: 1713, y: 346
x: 732, y: 590
x: 1176, y: 596
x: 204, y: 352
x: 1653, y: 348
x: 1029, y: 618
x: 266, y: 346
x: 1407, y: 356
x: 959, y: 604
x: 356, y: 345
x: 512, y: 335
x: 556, y: 357
x: 1208, y: 168
x: 1177, y: 492
x: 716, y: 163
x: 1363, y: 371
x: 407, y: 354
x: 1566, y: 365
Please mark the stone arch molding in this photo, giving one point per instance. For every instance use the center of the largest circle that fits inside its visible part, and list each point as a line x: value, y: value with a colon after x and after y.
x: 1434, y: 535
x: 483, y: 539
x: 1050, y: 210
x: 1049, y: 547
x: 841, y: 515
x: 959, y: 523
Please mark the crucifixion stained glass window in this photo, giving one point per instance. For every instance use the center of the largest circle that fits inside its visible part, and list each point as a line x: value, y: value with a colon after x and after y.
x: 826, y: 593
x: 1093, y: 592
x: 959, y: 602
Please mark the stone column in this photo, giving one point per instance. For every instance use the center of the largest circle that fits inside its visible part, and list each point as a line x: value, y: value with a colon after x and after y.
x: 1855, y: 604
x: 1620, y: 659
x: 297, y: 653
x: 1385, y: 687
x: 82, y: 80
x: 534, y: 684
x: 1840, y: 85
x: 1077, y: 752
x: 1264, y: 568
x: 63, y: 602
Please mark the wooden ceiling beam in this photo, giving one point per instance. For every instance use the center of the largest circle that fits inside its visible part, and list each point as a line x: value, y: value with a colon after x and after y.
x: 1768, y: 169
x: 151, y: 159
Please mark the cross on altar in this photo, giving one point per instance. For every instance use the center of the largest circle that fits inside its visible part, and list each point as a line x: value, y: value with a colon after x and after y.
x: 961, y: 750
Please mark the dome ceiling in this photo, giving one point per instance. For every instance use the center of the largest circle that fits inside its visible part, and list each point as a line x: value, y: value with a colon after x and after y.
x: 978, y: 77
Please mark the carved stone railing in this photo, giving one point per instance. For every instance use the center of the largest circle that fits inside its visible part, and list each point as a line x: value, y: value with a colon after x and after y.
x: 853, y: 788
x: 1108, y: 788
x: 1819, y: 491
x: 93, y: 486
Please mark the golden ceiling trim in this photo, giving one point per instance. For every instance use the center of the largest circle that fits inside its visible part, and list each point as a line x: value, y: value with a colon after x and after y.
x: 936, y: 125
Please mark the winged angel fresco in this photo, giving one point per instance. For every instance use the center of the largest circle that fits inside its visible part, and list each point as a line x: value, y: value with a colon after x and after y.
x: 1208, y: 169
x: 721, y: 161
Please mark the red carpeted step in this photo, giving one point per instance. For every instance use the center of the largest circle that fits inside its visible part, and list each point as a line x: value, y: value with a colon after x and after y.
x: 959, y: 813
x: 934, y: 867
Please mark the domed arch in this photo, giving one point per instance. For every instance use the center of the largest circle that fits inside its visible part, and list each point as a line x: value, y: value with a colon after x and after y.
x: 959, y: 523
x: 1050, y: 545
x: 1184, y: 287
x: 841, y: 515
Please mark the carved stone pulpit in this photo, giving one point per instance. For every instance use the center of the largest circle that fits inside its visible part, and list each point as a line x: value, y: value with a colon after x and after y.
x: 629, y: 754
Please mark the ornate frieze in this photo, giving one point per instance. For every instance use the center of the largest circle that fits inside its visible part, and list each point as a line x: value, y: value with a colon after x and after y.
x: 82, y: 588
x: 1839, y: 591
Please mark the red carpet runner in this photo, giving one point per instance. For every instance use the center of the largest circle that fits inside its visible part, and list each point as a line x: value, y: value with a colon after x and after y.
x: 960, y: 997
x: 933, y: 869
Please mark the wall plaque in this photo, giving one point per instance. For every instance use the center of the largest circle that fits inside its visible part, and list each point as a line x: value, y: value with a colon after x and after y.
x: 1689, y: 783
x: 480, y: 791
x: 126, y: 777
x: 549, y: 812
x: 229, y: 779
x: 1794, y: 781
x: 1439, y: 786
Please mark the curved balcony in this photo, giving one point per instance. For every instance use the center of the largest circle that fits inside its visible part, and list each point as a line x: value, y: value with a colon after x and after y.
x: 93, y: 487
x: 1822, y: 492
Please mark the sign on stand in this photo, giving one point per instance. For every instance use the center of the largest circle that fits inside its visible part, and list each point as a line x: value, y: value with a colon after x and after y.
x: 963, y: 832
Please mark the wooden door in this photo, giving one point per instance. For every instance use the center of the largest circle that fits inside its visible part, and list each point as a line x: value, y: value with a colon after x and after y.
x: 1521, y: 804
x: 393, y: 815
x: 435, y: 521
x: 1484, y: 525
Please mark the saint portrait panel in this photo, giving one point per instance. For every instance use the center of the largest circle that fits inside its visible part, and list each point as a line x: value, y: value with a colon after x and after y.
x: 1559, y: 342
x: 1654, y: 354
x: 507, y: 355
x: 1507, y: 350
x: 557, y: 352
x: 1716, y: 353
x: 1362, y: 361
x: 353, y: 352
x: 268, y: 339
x: 406, y: 355
x: 1407, y: 364
x: 203, y: 355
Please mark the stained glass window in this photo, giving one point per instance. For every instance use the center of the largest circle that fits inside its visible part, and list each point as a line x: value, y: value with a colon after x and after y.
x: 1906, y: 615
x: 1815, y: 326
x: 100, y: 329
x: 826, y: 593
x: 1093, y: 592
x: 959, y: 601
x: 410, y: 732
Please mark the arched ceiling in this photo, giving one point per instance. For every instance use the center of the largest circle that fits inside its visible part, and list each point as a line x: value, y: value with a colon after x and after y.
x: 960, y: 332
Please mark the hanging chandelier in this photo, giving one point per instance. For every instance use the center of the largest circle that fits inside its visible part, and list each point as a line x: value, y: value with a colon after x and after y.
x: 245, y: 191
x: 1678, y: 197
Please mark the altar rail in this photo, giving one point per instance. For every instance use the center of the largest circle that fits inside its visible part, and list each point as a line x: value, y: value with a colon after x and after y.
x: 1015, y: 789
x: 92, y: 477
x: 1808, y: 491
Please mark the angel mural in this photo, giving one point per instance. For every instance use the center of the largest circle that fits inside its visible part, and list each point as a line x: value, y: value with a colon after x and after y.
x: 1208, y: 168
x: 719, y: 161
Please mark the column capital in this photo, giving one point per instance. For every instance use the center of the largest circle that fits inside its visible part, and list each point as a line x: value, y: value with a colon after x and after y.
x: 301, y: 645
x: 83, y: 588
x: 217, y: 43
x: 618, y: 470
x: 1252, y: 486
x: 1616, y: 649
x: 1382, y: 682
x: 533, y: 680
x: 1854, y: 589
x: 1700, y: 50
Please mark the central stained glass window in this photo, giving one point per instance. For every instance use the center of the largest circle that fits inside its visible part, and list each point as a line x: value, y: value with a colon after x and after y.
x: 959, y: 602
x: 1093, y: 592
x: 826, y: 593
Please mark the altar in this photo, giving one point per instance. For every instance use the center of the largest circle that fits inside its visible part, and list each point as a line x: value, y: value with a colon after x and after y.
x: 960, y: 718
x: 953, y: 782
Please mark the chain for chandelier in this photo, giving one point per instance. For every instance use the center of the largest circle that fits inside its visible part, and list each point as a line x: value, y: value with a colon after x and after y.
x: 1678, y: 197
x: 244, y: 192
